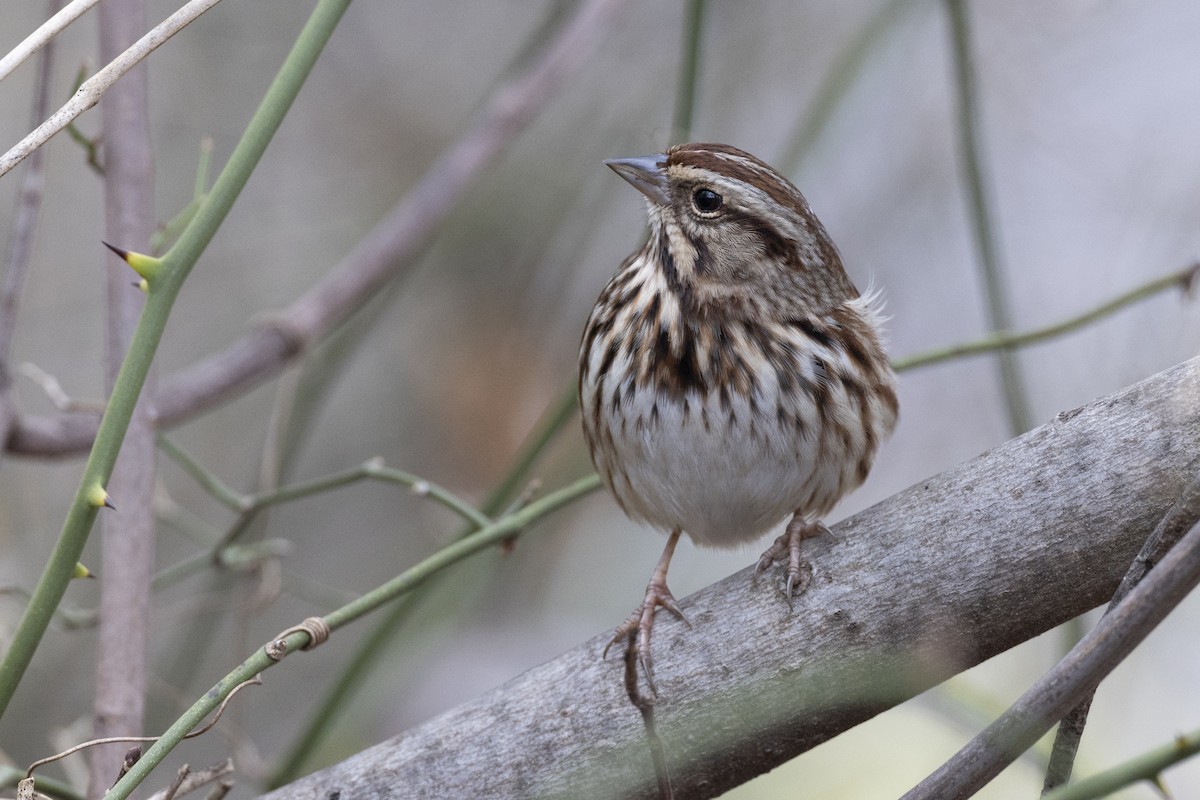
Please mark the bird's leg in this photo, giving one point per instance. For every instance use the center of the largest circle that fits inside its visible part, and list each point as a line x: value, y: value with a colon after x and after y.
x: 636, y: 630
x: 788, y: 544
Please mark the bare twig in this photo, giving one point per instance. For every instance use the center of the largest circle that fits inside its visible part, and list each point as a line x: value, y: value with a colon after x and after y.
x: 195, y: 780
x: 94, y: 88
x: 41, y: 762
x: 180, y: 776
x: 55, y: 392
x: 219, y: 791
x: 1182, y: 516
x: 1076, y: 676
x: 43, y: 36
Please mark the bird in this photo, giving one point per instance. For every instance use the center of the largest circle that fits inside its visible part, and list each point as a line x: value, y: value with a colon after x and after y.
x: 731, y: 376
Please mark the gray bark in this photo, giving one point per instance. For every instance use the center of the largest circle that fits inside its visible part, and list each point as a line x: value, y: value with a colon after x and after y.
x: 127, y: 562
x: 946, y: 574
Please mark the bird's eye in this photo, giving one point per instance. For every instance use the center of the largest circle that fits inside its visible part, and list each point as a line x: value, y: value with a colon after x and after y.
x: 707, y: 201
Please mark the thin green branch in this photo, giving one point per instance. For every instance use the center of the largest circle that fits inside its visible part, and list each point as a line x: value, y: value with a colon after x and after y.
x: 374, y: 469
x: 425, y: 488
x: 220, y: 491
x: 1146, y: 767
x: 689, y: 71
x: 453, y: 553
x: 372, y: 648
x: 308, y: 488
x: 405, y: 582
x: 1182, y: 279
x: 171, y: 229
x: 374, y: 645
x: 234, y: 557
x: 203, y: 163
x: 982, y: 215
x: 70, y: 617
x: 90, y: 144
x: 169, y: 276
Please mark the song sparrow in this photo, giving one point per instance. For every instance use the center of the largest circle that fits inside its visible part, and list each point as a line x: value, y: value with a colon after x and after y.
x: 730, y: 373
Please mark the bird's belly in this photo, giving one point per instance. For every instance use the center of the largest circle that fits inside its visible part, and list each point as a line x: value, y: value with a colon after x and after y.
x: 724, y: 470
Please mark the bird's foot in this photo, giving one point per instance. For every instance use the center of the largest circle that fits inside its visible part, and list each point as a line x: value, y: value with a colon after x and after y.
x: 798, y: 572
x: 635, y: 631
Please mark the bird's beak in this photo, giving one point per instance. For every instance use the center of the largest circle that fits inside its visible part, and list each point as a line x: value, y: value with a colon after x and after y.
x: 647, y: 174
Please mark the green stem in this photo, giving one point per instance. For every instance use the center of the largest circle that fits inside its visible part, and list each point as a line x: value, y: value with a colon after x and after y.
x: 453, y: 553
x: 431, y: 490
x: 1007, y: 341
x: 371, y: 470
x: 354, y: 675
x: 1145, y: 767
x: 173, y: 271
x: 372, y: 648
x: 352, y: 678
x: 249, y: 505
x: 982, y: 216
x: 405, y: 582
x: 220, y: 491
x: 689, y: 69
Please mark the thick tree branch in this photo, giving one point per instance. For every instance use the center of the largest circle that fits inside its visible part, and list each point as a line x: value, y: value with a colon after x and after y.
x: 950, y: 572
x: 385, y: 252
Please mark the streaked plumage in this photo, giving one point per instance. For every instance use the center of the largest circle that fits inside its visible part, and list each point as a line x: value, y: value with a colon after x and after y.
x: 730, y: 373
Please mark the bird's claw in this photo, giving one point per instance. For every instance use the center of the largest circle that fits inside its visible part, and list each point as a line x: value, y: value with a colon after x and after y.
x: 798, y: 572
x: 635, y: 631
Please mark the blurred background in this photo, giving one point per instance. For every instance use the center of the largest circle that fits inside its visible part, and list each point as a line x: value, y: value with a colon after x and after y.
x: 1090, y: 115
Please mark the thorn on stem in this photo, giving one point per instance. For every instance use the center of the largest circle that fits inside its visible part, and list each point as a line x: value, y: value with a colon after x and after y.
x: 121, y: 253
x: 98, y: 497
x: 144, y: 265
